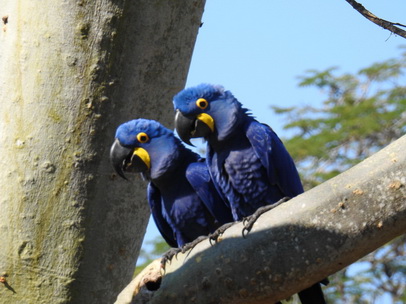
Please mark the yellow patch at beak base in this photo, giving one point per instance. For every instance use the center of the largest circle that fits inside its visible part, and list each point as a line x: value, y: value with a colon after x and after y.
x: 207, y: 119
x: 143, y: 154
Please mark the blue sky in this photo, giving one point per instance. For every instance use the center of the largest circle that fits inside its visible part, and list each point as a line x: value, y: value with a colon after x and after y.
x: 257, y: 49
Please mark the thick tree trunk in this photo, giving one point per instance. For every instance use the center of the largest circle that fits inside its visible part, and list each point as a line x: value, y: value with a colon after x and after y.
x: 72, y: 71
x: 292, y: 246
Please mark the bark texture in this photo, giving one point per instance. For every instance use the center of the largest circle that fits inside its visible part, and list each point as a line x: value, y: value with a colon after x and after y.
x: 292, y: 246
x: 387, y: 25
x: 72, y: 71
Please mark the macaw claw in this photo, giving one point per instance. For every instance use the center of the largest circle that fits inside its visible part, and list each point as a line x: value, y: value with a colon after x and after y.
x: 173, y: 252
x: 219, y: 231
x: 167, y: 256
x: 249, y: 221
x: 192, y: 244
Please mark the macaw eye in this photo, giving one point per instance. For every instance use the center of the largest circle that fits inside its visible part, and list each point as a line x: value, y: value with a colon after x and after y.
x: 142, y: 137
x: 202, y: 103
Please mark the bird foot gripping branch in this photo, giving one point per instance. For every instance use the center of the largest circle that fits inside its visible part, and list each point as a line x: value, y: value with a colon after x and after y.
x: 216, y: 234
x: 167, y: 257
x: 249, y: 221
x: 248, y: 224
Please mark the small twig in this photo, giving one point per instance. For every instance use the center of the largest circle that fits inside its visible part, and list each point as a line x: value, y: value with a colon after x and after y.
x: 390, y: 26
x: 399, y: 24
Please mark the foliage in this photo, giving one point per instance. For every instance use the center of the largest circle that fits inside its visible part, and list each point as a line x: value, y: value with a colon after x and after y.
x: 362, y: 113
x: 381, y: 272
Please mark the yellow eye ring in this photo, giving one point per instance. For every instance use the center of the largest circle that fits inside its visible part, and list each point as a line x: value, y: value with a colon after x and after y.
x: 142, y: 137
x: 202, y: 103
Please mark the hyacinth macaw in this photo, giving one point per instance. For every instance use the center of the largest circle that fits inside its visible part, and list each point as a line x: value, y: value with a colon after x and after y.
x: 183, y: 201
x: 247, y: 161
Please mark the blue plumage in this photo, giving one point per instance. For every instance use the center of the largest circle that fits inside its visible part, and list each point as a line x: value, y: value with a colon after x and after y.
x: 183, y: 201
x: 247, y: 161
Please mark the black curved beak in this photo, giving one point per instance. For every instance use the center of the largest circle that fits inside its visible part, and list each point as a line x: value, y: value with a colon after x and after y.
x: 124, y: 159
x: 119, y: 156
x: 188, y: 128
x: 184, y: 126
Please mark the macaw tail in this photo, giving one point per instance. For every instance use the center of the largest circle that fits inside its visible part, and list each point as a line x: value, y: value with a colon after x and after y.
x: 312, y: 295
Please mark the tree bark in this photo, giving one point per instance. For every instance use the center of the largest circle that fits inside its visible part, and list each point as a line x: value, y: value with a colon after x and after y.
x: 292, y: 246
x: 72, y: 71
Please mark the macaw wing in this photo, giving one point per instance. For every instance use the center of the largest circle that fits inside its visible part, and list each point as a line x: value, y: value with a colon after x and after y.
x: 275, y: 158
x: 199, y: 178
x: 154, y: 200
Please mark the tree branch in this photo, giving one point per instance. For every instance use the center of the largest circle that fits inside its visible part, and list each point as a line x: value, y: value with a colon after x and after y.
x: 294, y: 245
x: 390, y: 26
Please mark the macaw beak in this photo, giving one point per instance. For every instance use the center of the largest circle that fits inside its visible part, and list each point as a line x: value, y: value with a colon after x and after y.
x: 127, y: 159
x: 200, y: 126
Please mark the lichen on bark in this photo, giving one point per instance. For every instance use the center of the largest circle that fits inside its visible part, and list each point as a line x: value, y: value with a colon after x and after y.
x: 70, y: 231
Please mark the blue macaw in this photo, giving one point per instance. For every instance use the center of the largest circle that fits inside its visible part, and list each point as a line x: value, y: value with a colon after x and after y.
x: 183, y: 201
x: 248, y: 163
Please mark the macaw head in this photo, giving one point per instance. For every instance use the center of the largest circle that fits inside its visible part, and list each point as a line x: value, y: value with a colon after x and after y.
x: 145, y: 146
x: 206, y: 111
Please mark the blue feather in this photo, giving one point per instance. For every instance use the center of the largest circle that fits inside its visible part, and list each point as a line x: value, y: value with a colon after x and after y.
x: 154, y: 200
x: 182, y: 198
x: 247, y: 161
